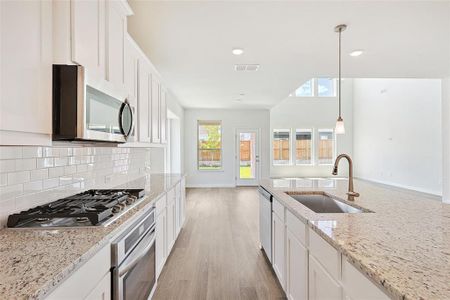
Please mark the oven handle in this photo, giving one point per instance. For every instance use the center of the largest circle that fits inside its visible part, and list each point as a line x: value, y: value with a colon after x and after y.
x: 140, y: 249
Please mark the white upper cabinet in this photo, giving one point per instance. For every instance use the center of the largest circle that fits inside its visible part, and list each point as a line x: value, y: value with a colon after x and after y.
x: 131, y: 59
x: 144, y: 101
x: 156, y: 121
x: 163, y: 115
x: 26, y: 70
x: 115, y: 40
x: 88, y: 35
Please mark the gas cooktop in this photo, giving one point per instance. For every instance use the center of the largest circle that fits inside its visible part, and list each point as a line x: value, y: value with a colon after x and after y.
x: 90, y: 208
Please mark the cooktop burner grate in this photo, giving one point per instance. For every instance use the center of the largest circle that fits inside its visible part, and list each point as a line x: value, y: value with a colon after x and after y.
x: 88, y: 208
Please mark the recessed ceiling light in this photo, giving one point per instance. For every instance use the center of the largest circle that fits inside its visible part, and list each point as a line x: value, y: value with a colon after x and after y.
x: 355, y: 53
x: 237, y: 51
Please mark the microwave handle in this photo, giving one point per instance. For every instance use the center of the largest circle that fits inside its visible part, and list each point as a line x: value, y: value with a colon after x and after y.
x: 130, y: 265
x: 122, y: 108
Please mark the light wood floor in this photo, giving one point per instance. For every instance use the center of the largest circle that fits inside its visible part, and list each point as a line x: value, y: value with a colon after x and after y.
x: 217, y: 255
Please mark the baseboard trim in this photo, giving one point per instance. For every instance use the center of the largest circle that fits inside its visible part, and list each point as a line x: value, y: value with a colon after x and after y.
x: 209, y: 185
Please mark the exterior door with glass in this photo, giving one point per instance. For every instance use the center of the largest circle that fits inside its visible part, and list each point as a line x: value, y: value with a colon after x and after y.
x: 247, y: 157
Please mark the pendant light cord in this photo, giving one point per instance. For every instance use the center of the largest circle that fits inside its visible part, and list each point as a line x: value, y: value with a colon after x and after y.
x: 339, y: 71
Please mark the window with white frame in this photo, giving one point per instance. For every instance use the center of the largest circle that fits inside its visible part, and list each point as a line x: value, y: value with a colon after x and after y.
x: 303, y: 146
x: 317, y: 87
x: 326, y: 147
x: 209, y: 147
x: 281, y: 146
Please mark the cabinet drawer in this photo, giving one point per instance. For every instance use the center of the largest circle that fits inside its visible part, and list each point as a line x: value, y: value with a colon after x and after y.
x: 296, y: 227
x: 324, y: 253
x: 278, y: 209
x: 357, y: 286
x: 160, y: 205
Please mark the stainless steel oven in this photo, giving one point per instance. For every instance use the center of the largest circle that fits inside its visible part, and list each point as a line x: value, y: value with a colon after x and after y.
x: 89, y: 109
x: 133, y: 261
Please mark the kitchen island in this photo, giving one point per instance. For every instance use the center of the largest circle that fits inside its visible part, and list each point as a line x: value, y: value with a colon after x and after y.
x: 402, y: 246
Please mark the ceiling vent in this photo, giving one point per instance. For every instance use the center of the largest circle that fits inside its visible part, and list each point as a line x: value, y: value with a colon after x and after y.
x: 249, y: 68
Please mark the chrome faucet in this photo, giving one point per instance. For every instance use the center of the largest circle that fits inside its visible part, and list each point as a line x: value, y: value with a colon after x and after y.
x: 351, y: 194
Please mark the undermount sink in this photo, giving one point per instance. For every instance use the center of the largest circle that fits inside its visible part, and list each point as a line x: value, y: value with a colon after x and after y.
x: 322, y: 203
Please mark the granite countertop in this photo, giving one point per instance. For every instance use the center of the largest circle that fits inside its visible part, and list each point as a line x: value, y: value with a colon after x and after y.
x: 403, y: 247
x: 35, y: 261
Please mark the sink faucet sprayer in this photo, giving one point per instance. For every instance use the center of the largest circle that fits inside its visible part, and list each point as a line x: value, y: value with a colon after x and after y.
x: 351, y: 194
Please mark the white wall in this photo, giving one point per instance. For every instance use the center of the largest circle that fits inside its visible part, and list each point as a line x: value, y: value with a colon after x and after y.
x: 231, y: 120
x: 446, y: 139
x: 315, y: 113
x: 397, y: 132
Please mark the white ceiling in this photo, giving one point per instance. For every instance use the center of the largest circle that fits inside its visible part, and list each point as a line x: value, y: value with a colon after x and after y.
x: 190, y: 44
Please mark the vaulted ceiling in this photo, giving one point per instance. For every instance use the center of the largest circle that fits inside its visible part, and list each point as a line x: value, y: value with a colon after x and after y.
x: 190, y: 43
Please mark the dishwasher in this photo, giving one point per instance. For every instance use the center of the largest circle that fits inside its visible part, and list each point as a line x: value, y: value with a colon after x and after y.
x: 265, y: 221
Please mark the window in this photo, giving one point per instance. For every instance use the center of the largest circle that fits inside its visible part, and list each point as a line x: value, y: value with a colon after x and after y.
x: 326, y: 87
x: 209, y: 145
x: 317, y: 87
x: 306, y: 90
x: 303, y: 146
x: 281, y: 149
x: 326, y: 147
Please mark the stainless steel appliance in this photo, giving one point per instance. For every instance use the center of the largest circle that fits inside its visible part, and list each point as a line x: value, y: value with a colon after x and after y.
x: 88, y: 110
x: 134, y: 261
x: 265, y: 221
x: 90, y: 208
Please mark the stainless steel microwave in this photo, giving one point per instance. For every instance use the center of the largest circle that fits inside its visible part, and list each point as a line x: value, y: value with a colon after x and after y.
x: 82, y: 112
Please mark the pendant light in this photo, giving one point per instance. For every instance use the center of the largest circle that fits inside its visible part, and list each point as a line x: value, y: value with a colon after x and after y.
x: 340, y: 128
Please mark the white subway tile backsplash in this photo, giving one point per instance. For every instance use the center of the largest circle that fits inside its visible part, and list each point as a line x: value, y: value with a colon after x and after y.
x: 44, y: 163
x: 8, y: 152
x: 55, y: 172
x: 32, y: 152
x: 10, y: 191
x: 3, y: 179
x: 18, y: 177
x: 31, y: 176
x: 7, y: 165
x: 38, y: 174
x: 61, y: 161
x: 50, y: 183
x: 25, y: 164
x: 33, y: 186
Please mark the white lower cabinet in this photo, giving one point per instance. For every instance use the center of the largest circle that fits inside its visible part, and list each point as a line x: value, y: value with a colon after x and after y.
x: 308, y: 267
x: 321, y: 285
x: 278, y: 248
x: 171, y: 214
x: 103, y: 289
x: 358, y: 286
x: 90, y: 281
x: 160, y: 250
x: 297, y: 268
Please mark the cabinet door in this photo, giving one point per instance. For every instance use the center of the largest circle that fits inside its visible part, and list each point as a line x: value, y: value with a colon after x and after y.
x: 131, y: 70
x: 144, y: 97
x: 116, y: 22
x: 321, y: 284
x: 183, y: 201
x: 26, y: 67
x: 88, y: 35
x: 177, y: 209
x: 155, y: 109
x: 163, y: 116
x: 278, y: 248
x: 103, y: 289
x: 170, y: 225
x: 160, y: 243
x: 296, y: 268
